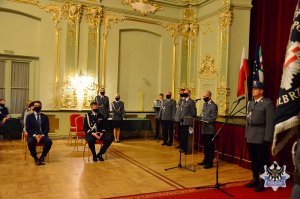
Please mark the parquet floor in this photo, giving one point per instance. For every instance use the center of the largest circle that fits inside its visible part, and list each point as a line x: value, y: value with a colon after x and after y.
x: 133, y: 167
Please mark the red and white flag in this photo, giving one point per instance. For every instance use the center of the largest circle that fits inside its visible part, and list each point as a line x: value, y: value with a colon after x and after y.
x: 243, y: 74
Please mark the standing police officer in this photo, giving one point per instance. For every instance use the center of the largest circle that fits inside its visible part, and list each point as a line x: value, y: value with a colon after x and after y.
x: 167, y: 114
x: 103, y: 107
x: 156, y: 107
x: 188, y: 111
x: 259, y: 133
x: 208, y: 117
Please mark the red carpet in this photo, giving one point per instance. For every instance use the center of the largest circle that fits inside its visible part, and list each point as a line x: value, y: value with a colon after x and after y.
x: 239, y: 192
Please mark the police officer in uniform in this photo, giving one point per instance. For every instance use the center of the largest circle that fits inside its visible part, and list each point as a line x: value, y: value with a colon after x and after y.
x: 188, y: 111
x: 4, y: 115
x: 296, y: 187
x: 167, y: 114
x: 95, y: 130
x: 208, y: 117
x: 103, y: 106
x: 259, y: 133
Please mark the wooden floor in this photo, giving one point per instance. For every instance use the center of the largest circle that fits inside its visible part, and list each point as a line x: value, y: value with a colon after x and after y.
x: 133, y: 167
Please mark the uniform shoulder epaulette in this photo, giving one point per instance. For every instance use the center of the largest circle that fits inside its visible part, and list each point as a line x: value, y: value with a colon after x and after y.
x: 268, y: 99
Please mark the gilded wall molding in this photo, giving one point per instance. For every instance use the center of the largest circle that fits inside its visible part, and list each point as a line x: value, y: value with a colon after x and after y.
x: 223, y: 94
x: 226, y: 17
x: 107, y: 19
x: 144, y: 7
x: 73, y: 14
x: 93, y: 17
x: 207, y: 67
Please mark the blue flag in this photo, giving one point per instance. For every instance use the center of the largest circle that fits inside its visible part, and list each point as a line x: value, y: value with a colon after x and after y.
x: 287, y: 117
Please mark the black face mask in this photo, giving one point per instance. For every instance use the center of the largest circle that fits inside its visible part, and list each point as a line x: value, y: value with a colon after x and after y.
x: 206, y: 99
x: 181, y: 95
x: 117, y: 98
x: 95, y: 110
x: 2, y: 105
x: 168, y: 96
x: 102, y: 93
x: 37, y: 109
x: 185, y: 95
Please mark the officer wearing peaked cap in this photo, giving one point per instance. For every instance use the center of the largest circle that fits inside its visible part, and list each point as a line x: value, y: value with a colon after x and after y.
x: 259, y: 133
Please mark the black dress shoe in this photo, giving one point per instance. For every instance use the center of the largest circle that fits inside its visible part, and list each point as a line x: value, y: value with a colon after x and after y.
x: 260, y: 187
x: 208, y: 166
x: 37, y: 161
x: 42, y: 160
x: 99, y: 156
x: 177, y: 147
x: 251, y: 184
x: 164, y: 143
x: 169, y: 144
x: 95, y: 158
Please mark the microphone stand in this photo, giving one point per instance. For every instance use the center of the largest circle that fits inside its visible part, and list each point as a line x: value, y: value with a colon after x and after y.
x: 217, y: 184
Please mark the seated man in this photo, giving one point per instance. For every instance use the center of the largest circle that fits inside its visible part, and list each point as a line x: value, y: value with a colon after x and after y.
x: 37, y: 127
x: 93, y: 127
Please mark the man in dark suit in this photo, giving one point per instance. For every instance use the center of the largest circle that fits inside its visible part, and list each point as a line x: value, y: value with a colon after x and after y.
x: 188, y: 111
x: 259, y: 133
x: 4, y: 115
x: 208, y: 117
x: 95, y: 130
x: 167, y: 115
x: 37, y: 127
x: 103, y: 106
x: 156, y: 107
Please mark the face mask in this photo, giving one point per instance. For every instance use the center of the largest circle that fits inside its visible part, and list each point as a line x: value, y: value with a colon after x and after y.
x: 117, y: 98
x: 168, y: 96
x: 2, y: 105
x: 185, y: 95
x: 206, y: 99
x: 181, y: 94
x: 102, y: 93
x: 95, y: 110
x: 37, y: 109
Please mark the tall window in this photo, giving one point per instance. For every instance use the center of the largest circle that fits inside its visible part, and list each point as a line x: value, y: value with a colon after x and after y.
x: 19, y: 86
x: 2, y: 79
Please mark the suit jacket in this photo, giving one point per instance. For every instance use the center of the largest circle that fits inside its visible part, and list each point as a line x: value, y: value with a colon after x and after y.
x: 3, y: 113
x: 208, y: 116
x: 103, y: 103
x: 118, y: 111
x: 168, y: 110
x: 92, y: 123
x: 260, y: 121
x: 156, y: 107
x: 188, y: 111
x: 32, y: 126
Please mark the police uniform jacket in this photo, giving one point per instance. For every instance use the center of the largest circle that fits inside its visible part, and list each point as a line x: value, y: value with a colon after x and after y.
x: 156, y: 107
x: 188, y: 111
x: 103, y: 104
x: 92, y: 123
x: 118, y: 111
x: 208, y: 116
x: 260, y: 121
x: 168, y: 109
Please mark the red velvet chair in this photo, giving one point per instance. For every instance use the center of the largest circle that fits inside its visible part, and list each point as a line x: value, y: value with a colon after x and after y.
x: 72, y: 126
x: 80, y: 134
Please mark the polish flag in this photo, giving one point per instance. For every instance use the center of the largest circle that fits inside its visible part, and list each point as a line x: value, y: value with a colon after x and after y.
x: 243, y: 74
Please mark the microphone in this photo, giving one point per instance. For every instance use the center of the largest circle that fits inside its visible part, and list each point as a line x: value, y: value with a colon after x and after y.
x: 196, y: 100
x: 240, y: 99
